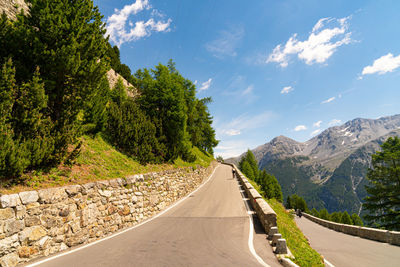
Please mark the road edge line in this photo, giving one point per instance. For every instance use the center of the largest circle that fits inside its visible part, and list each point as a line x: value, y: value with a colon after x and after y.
x: 251, y: 234
x: 127, y: 229
x: 328, y: 263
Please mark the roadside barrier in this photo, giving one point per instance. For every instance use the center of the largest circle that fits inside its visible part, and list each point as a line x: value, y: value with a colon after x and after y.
x: 391, y: 237
x: 267, y: 217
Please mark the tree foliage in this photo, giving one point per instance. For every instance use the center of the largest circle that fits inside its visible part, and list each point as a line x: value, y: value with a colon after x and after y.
x: 268, y: 183
x: 356, y: 220
x: 130, y: 130
x: 338, y: 217
x: 383, y: 200
x: 24, y: 129
x: 54, y: 88
x: 65, y: 41
x: 181, y: 119
x: 296, y: 202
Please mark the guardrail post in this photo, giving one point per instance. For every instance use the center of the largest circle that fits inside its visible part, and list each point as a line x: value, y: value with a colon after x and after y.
x: 275, y: 239
x: 272, y: 231
x: 281, y: 247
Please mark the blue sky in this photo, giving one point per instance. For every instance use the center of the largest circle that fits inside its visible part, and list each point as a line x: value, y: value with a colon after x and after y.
x: 290, y: 68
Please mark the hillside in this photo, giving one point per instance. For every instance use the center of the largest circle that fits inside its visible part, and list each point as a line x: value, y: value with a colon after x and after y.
x: 329, y: 169
x: 63, y: 83
x: 98, y: 160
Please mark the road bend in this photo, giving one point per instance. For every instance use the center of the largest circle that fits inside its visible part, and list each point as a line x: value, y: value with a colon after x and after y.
x: 209, y: 228
x: 346, y: 250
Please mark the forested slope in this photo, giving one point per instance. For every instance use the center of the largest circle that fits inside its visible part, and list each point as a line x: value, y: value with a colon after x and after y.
x: 55, y: 96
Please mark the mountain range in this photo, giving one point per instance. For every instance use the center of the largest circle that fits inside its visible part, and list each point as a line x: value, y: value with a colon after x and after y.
x: 328, y: 170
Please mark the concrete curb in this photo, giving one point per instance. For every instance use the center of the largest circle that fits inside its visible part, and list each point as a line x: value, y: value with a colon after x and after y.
x: 391, y: 237
x: 265, y: 213
x: 287, y: 262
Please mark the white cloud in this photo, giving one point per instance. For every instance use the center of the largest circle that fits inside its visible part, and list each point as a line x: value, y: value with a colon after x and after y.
x: 315, y: 132
x: 232, y: 132
x: 320, y: 45
x: 334, y: 122
x: 287, y: 90
x: 233, y: 148
x: 227, y: 43
x: 328, y: 100
x: 317, y: 124
x: 384, y: 64
x: 248, y: 90
x: 205, y: 85
x: 121, y: 30
x: 242, y: 123
x: 300, y: 128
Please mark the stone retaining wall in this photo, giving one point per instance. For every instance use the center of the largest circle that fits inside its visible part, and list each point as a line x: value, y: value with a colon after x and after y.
x: 264, y: 212
x: 39, y: 223
x: 391, y: 237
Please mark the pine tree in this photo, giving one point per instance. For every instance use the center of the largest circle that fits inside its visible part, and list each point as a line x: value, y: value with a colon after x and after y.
x: 162, y: 99
x: 65, y: 39
x: 383, y: 200
x: 24, y: 137
x: 251, y: 159
x: 247, y: 170
x: 129, y: 129
x: 315, y: 213
x: 336, y: 217
x: 96, y: 109
x: 324, y: 214
x: 346, y: 219
x: 356, y: 220
x: 288, y: 203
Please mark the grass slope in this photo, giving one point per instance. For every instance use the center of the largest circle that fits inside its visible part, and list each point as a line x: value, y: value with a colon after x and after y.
x: 98, y: 160
x: 298, y: 244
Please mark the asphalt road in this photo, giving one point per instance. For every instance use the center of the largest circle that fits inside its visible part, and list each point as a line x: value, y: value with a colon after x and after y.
x: 347, y: 250
x: 210, y: 228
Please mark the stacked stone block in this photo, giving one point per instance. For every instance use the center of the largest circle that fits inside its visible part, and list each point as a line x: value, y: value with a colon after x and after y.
x: 43, y: 222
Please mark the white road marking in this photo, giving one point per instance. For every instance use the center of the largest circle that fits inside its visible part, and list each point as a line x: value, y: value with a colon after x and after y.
x: 328, y: 263
x: 251, y: 235
x: 123, y: 231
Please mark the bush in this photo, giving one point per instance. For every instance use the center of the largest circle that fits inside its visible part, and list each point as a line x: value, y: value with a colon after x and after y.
x: 132, y: 132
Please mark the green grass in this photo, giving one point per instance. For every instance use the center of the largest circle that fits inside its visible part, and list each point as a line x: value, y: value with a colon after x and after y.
x: 304, y: 254
x: 202, y: 159
x: 98, y: 160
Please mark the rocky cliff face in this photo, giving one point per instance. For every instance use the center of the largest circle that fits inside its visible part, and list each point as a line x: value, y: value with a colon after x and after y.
x: 12, y: 7
x: 329, y: 169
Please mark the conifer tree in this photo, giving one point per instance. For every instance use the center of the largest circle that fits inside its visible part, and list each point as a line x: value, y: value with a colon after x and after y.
x: 65, y: 39
x: 315, y: 213
x: 25, y: 138
x: 336, y: 217
x: 288, y: 203
x: 247, y: 170
x: 346, y: 219
x: 324, y: 214
x: 383, y: 201
x: 356, y: 220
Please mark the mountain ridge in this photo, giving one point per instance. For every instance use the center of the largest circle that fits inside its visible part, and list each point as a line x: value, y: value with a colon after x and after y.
x: 329, y: 169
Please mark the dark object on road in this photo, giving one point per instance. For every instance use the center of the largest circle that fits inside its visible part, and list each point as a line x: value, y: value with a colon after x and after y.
x: 233, y: 173
x: 299, y: 213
